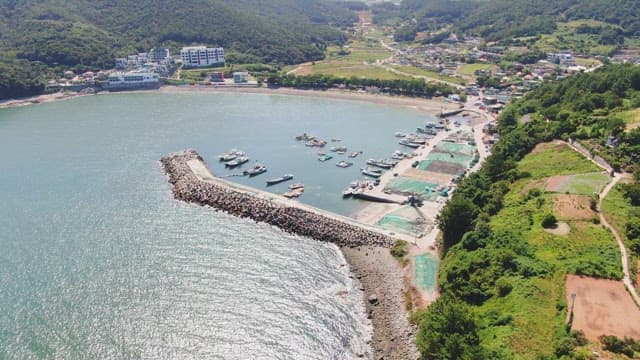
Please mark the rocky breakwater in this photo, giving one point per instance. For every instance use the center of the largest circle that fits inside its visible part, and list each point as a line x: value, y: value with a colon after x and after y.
x: 188, y: 187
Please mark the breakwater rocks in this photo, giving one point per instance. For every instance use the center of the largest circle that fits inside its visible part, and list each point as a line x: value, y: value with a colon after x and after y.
x: 295, y: 220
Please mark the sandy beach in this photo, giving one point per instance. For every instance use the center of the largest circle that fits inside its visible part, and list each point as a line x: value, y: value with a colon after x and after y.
x: 431, y: 106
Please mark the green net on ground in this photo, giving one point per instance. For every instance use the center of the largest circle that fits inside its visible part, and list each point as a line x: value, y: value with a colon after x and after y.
x: 451, y: 157
x: 465, y: 149
x: 426, y: 271
x: 406, y: 220
x: 403, y: 184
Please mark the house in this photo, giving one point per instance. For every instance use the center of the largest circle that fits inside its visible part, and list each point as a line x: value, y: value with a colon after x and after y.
x: 240, y: 77
x: 159, y: 55
x: 217, y: 76
x: 200, y: 56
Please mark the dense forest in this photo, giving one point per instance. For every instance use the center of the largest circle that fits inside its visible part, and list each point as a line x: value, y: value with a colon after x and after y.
x: 483, y: 262
x: 496, y: 20
x: 83, y: 34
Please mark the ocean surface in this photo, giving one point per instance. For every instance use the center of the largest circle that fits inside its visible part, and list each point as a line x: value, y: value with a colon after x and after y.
x: 98, y: 261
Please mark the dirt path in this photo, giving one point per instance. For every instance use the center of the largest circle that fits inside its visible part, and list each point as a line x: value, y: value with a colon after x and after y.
x: 623, y: 250
x: 603, y: 220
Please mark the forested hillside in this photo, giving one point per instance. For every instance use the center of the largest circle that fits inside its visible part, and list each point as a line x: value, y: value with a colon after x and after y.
x: 505, y: 19
x: 88, y: 34
x: 502, y: 273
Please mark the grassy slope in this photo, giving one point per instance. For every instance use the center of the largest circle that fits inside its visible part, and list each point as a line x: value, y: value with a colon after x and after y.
x: 617, y: 210
x: 537, y: 304
x: 430, y: 74
x: 362, y: 54
x: 566, y: 38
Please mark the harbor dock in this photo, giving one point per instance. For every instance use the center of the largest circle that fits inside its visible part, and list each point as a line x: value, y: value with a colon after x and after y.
x: 193, y: 182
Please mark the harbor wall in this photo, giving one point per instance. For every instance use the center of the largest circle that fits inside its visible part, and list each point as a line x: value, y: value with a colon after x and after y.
x: 295, y: 220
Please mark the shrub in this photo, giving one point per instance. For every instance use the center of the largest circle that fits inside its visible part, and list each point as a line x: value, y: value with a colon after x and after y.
x: 615, y: 345
x: 503, y: 287
x: 549, y: 221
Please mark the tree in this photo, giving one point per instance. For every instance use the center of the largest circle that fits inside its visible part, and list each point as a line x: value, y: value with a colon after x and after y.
x: 448, y: 331
x: 455, y: 219
x: 549, y: 221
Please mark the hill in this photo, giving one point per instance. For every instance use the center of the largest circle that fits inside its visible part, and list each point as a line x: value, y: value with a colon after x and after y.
x: 504, y: 262
x: 86, y: 34
x: 504, y: 20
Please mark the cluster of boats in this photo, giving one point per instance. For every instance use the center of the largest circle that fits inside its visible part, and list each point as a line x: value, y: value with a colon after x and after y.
x: 359, y: 186
x: 295, y: 190
x: 311, y: 141
x: 233, y: 158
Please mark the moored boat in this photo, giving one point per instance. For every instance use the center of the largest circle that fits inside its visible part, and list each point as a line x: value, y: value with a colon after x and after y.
x: 344, y: 164
x: 280, y: 179
x: 237, y: 162
x: 231, y: 155
x: 324, y: 158
x: 257, y: 169
x: 296, y: 186
x: 376, y: 173
x: 407, y: 143
x: 380, y: 163
x: 355, y: 153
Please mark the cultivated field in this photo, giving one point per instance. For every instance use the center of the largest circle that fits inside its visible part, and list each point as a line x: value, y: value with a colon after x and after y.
x: 602, y: 307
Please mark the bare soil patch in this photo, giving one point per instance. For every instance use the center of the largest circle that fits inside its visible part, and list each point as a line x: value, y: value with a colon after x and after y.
x: 555, y: 183
x: 546, y: 146
x: 429, y: 176
x: 562, y: 228
x: 445, y: 167
x: 537, y: 184
x: 573, y: 207
x: 602, y: 307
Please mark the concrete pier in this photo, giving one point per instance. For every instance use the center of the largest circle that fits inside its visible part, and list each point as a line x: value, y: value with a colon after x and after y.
x: 193, y: 182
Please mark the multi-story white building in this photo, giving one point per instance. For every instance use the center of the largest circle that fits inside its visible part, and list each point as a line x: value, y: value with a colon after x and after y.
x: 198, y: 56
x: 159, y: 55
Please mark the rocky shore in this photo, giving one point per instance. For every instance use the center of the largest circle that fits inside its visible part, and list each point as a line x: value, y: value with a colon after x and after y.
x: 381, y: 279
x: 367, y: 252
x: 187, y: 187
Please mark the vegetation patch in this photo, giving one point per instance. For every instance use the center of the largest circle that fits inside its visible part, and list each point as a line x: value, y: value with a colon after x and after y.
x: 584, y: 184
x: 554, y: 159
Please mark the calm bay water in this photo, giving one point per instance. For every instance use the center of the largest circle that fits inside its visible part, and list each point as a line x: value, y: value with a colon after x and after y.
x: 98, y: 261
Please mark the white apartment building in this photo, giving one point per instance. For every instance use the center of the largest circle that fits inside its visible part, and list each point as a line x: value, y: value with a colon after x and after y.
x: 197, y: 56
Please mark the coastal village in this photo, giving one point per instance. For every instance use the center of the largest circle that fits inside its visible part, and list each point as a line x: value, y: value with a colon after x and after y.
x: 403, y: 192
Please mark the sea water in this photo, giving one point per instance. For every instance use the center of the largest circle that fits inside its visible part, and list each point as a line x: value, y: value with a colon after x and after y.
x: 97, y: 260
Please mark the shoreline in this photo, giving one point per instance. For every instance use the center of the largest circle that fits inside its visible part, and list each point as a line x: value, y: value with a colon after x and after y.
x: 383, y: 284
x: 428, y: 106
x: 379, y: 274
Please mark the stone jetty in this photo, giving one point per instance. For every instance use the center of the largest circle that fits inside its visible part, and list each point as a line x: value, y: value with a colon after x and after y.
x: 292, y: 219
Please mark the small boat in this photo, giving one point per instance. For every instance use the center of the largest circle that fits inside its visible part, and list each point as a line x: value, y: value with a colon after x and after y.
x: 355, y: 153
x: 339, y: 149
x: 344, y: 164
x: 409, y: 144
x: 324, y: 158
x: 400, y: 134
x: 348, y: 192
x: 380, y: 163
x: 237, y: 162
x: 398, y: 155
x: 294, y: 193
x: 372, y: 172
x: 278, y: 180
x: 336, y: 140
x: 417, y: 140
x: 304, y: 137
x: 315, y: 142
x: 257, y: 169
x: 296, y: 186
x: 231, y: 155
